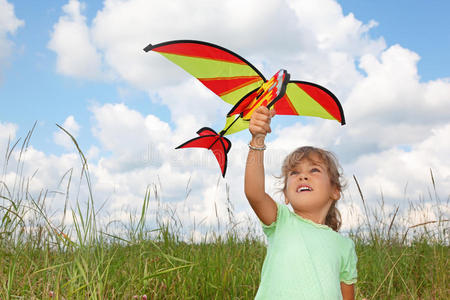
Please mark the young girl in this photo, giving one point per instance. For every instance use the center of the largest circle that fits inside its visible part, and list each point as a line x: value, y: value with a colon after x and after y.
x: 306, y: 257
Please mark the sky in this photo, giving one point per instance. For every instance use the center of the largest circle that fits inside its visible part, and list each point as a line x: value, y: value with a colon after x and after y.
x: 81, y: 65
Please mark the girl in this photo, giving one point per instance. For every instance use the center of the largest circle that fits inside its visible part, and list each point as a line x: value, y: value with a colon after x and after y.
x: 306, y: 257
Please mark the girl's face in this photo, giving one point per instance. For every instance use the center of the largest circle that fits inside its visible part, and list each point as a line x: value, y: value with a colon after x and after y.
x: 309, y: 186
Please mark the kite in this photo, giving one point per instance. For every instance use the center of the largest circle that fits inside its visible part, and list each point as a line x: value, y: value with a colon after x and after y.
x: 239, y: 83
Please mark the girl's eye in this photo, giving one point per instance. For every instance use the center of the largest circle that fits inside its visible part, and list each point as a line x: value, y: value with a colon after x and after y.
x: 315, y: 170
x: 293, y: 173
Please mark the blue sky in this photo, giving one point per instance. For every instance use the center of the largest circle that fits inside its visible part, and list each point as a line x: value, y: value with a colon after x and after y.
x: 128, y: 101
x: 422, y: 26
x: 33, y: 91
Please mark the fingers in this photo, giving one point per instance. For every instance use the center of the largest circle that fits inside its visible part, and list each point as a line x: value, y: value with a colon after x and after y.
x: 263, y: 114
x: 260, y: 121
x: 256, y: 129
x: 263, y: 126
x: 272, y: 113
x: 262, y: 110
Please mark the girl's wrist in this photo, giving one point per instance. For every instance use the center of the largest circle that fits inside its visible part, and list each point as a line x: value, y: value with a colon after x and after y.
x: 257, y: 141
x: 256, y: 148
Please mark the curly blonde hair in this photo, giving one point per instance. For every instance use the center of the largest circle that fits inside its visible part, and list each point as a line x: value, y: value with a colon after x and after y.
x: 333, y: 218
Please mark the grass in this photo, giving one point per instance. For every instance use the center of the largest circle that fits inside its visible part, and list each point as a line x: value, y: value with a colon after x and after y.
x: 43, y: 258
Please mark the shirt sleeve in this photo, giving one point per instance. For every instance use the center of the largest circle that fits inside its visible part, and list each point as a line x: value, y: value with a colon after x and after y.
x: 270, y: 229
x: 348, y: 273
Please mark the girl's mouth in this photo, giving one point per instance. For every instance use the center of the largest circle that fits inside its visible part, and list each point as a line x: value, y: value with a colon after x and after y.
x: 304, y: 188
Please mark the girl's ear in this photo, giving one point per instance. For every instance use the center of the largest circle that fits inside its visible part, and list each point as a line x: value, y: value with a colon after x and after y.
x: 335, y: 193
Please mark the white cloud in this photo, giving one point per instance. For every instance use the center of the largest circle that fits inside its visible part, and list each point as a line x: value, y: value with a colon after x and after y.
x: 331, y: 30
x: 31, y: 172
x: 404, y: 174
x: 8, y: 20
x: 352, y: 215
x: 392, y: 91
x: 7, y: 139
x: 9, y: 24
x: 122, y: 130
x: 61, y: 138
x: 7, y: 132
x: 71, y: 40
x: 391, y: 107
x: 191, y: 100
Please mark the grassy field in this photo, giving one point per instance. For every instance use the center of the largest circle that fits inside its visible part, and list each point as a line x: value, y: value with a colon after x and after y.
x: 41, y: 258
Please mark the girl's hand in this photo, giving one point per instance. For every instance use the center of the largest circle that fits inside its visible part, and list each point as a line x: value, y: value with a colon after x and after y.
x: 260, y: 122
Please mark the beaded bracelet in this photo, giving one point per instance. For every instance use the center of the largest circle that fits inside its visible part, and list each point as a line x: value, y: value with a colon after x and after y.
x: 257, y: 148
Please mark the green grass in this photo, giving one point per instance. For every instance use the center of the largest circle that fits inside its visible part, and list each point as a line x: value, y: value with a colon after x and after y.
x: 41, y: 258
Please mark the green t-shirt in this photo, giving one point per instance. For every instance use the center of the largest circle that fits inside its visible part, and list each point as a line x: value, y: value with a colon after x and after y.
x: 305, y: 260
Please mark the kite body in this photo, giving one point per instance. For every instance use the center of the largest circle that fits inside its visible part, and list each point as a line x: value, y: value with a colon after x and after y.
x: 240, y: 84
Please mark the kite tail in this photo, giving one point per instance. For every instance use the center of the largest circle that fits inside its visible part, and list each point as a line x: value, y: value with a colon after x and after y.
x: 213, y: 141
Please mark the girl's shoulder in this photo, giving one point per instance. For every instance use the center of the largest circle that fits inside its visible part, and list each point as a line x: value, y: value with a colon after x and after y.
x: 345, y: 242
x: 340, y: 239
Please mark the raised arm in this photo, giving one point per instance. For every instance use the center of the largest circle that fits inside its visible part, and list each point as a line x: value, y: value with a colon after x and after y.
x: 262, y: 204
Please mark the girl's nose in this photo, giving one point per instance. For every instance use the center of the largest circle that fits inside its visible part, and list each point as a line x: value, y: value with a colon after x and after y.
x: 302, y: 176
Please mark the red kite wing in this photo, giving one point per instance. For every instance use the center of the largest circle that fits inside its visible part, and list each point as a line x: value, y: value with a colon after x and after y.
x: 309, y: 99
x: 224, y: 72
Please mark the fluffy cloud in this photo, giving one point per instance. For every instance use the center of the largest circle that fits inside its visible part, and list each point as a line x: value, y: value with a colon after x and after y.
x: 7, y: 139
x: 123, y: 131
x: 141, y: 147
x: 404, y: 174
x: 9, y: 24
x: 191, y: 106
x: 393, y: 85
x: 391, y: 107
x: 7, y: 132
x: 331, y: 30
x: 61, y: 138
x: 33, y: 174
x: 76, y: 55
